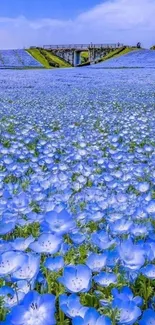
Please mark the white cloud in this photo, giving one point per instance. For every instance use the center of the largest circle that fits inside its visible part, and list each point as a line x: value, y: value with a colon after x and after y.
x: 127, y: 21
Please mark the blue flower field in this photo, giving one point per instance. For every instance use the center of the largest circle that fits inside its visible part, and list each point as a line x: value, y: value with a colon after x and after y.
x: 77, y: 195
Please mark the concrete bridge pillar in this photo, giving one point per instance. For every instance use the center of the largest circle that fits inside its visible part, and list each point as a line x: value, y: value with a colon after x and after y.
x: 67, y: 55
x: 77, y: 58
x: 95, y: 53
x: 91, y: 54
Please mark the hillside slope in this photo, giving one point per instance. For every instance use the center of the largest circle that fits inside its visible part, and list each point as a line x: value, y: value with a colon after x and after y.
x: 18, y: 59
x: 113, y: 53
x: 117, y: 53
x: 133, y: 59
x: 48, y: 59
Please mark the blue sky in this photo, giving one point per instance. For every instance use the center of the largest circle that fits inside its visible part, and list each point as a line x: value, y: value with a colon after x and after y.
x: 39, y: 22
x: 58, y: 9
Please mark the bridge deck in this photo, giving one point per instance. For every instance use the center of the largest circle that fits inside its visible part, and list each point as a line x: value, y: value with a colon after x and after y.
x: 82, y: 47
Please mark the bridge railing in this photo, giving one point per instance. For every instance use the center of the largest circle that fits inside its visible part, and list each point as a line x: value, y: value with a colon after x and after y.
x: 81, y: 46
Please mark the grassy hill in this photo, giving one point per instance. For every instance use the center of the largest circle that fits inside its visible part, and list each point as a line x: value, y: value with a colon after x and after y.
x: 112, y: 54
x: 84, y: 57
x: 48, y: 59
x: 116, y: 53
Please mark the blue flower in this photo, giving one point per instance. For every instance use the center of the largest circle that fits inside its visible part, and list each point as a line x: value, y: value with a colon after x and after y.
x: 6, y: 226
x: 150, y: 208
x: 77, y: 238
x: 21, y: 244
x: 54, y: 263
x: 60, y: 223
x: 140, y: 230
x: 29, y: 269
x: 104, y: 279
x: 125, y: 294
x: 76, y: 278
x: 112, y: 258
x: 92, y: 317
x: 104, y: 320
x: 20, y: 202
x: 96, y: 262
x: 10, y: 297
x: 35, y: 309
x: 148, y: 271
x: 47, y: 243
x: 11, y: 261
x: 148, y: 317
x: 71, y: 305
x: 128, y: 312
x: 102, y: 240
x: 132, y: 256
x: 121, y: 226
x: 143, y: 187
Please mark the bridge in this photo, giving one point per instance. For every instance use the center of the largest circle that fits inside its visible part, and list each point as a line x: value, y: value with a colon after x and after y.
x: 72, y: 52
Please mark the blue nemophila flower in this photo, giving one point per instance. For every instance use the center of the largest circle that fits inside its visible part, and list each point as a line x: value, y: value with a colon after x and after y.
x: 132, y: 256
x: 76, y: 278
x: 96, y: 262
x: 5, y: 290
x: 71, y: 306
x: 150, y: 208
x: 11, y: 261
x: 102, y: 240
x: 77, y: 238
x: 47, y: 243
x: 34, y: 309
x: 54, y: 263
x: 112, y: 258
x: 92, y: 317
x: 32, y: 217
x: 121, y: 197
x: 104, y: 279
x: 148, y: 271
x: 7, y: 226
x: 128, y: 312
x: 121, y: 226
x: 64, y: 248
x: 60, y: 223
x: 125, y: 294
x: 149, y: 247
x: 95, y: 216
x: 25, y: 286
x: 21, y: 244
x: 140, y: 213
x: 140, y: 230
x: 10, y: 297
x: 20, y: 202
x: 148, y: 317
x: 143, y: 187
x: 29, y: 269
